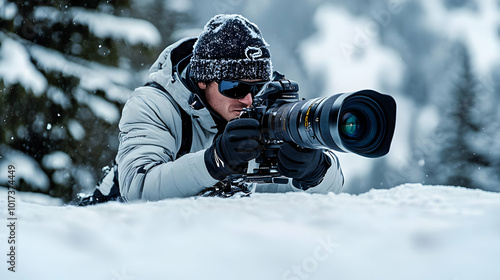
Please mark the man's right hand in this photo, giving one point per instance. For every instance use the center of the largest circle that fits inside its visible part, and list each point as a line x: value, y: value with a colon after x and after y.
x: 230, y: 152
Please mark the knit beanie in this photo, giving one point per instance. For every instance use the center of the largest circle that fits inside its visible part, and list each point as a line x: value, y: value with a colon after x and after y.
x: 229, y: 48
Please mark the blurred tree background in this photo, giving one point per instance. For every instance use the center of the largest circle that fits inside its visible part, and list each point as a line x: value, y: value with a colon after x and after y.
x: 67, y: 67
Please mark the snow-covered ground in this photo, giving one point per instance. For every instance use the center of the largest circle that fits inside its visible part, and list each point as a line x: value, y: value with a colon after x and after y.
x: 408, y: 232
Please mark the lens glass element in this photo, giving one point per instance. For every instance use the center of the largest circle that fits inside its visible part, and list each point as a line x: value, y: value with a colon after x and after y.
x: 350, y: 125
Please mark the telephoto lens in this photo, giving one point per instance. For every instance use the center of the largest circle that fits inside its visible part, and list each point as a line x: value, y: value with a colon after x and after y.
x: 362, y: 122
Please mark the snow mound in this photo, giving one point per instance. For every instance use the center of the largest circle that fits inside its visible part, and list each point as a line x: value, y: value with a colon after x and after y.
x: 408, y: 232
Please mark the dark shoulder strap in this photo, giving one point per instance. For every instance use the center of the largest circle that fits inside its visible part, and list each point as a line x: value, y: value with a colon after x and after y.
x: 187, y: 134
x: 187, y: 125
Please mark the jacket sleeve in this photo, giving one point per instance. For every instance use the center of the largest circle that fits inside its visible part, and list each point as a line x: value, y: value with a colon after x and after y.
x: 333, y: 181
x: 150, y: 137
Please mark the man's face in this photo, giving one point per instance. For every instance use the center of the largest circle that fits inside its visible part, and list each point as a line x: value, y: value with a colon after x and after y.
x: 228, y: 108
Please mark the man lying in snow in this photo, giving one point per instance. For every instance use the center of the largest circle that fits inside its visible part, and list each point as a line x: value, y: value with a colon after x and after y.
x: 198, y: 87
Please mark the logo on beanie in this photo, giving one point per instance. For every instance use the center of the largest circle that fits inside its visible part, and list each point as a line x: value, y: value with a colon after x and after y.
x: 253, y: 52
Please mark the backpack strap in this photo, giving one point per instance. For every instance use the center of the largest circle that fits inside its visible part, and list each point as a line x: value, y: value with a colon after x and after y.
x: 187, y: 123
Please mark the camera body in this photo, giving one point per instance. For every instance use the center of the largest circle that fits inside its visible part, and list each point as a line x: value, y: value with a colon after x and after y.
x: 274, y: 95
x: 267, y: 103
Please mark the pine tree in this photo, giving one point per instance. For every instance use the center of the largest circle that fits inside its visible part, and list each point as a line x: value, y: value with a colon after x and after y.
x: 459, y: 127
x: 166, y: 16
x: 64, y: 77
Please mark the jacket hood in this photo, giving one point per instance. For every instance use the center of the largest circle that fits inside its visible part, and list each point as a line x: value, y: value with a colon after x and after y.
x: 164, y: 73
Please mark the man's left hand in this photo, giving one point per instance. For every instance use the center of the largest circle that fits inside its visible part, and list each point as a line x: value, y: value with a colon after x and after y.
x: 306, y: 166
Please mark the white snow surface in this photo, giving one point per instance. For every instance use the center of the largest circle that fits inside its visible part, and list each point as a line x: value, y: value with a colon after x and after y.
x: 407, y: 232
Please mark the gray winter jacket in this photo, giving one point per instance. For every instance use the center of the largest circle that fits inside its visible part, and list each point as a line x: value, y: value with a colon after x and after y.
x: 151, y: 135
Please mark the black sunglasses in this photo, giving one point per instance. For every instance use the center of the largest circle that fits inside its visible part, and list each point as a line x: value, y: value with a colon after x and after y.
x: 239, y: 89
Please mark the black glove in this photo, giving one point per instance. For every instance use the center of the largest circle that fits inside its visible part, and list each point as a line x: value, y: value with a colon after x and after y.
x: 231, y: 151
x: 307, y: 167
